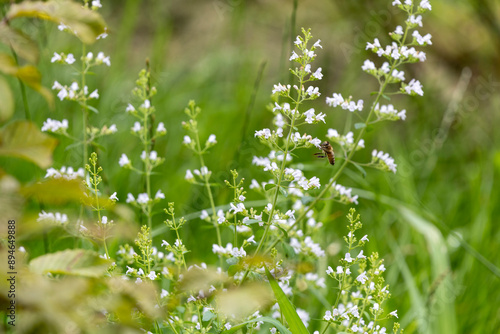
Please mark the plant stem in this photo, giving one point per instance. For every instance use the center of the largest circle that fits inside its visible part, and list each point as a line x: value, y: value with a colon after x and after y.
x: 209, y: 190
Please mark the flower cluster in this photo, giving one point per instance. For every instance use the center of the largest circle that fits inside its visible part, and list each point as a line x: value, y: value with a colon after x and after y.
x: 362, y: 290
x: 141, y: 129
x: 55, y: 126
x: 67, y: 173
x: 383, y: 161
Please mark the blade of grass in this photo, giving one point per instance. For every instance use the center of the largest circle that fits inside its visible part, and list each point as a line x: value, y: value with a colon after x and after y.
x: 286, y: 307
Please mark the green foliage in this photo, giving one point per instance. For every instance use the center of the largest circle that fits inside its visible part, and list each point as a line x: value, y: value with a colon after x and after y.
x: 78, y: 262
x: 24, y: 140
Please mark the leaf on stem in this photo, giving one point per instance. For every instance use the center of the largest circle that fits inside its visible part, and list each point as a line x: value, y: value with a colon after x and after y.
x: 86, y: 24
x: 24, y: 140
x: 79, y: 262
x: 286, y: 307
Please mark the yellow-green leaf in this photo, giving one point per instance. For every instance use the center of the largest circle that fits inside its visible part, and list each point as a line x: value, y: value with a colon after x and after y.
x: 79, y: 262
x: 55, y: 191
x: 7, y: 104
x: 85, y: 23
x: 28, y: 74
x: 286, y: 307
x: 24, y: 46
x: 24, y: 140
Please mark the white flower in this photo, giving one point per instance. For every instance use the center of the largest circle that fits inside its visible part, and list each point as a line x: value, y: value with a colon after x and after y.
x: 394, y: 313
x: 164, y: 293
x: 146, y: 104
x: 56, y: 57
x: 102, y: 59
x: 385, y: 159
x: 96, y: 3
x: 142, y: 198
x: 152, y: 275
x: 309, y: 115
x: 361, y: 256
x: 153, y: 155
x: 112, y: 128
x: 104, y: 220
x: 137, y: 127
x: 365, y: 238
x: 221, y: 217
x: 240, y: 207
x: 53, y: 218
x: 130, y: 198
x: 113, y: 197
x: 318, y: 75
x: 161, y: 128
x: 124, y: 160
x: 348, y: 257
x: 368, y: 65
x: 94, y: 95
x: 187, y: 140
x: 159, y: 195
x: 70, y: 59
x: 294, y: 56
x: 317, y: 45
x: 362, y: 278
x: 189, y: 175
x: 424, y: 4
x: 51, y: 125
x: 314, y: 182
x: 266, y: 133
x: 129, y: 108
x: 376, y: 44
x: 211, y: 139
x: 329, y: 271
x: 204, y: 214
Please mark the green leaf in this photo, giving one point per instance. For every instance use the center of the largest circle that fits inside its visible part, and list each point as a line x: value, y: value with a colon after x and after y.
x: 286, y: 307
x: 269, y: 186
x: 79, y: 262
x: 361, y: 169
x: 7, y: 98
x: 283, y: 191
x: 207, y: 315
x: 28, y: 74
x: 24, y: 140
x: 55, y: 191
x: 86, y: 24
x: 22, y: 45
x: 359, y: 125
x: 274, y: 322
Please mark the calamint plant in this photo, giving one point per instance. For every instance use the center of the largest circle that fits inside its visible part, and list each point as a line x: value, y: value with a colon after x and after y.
x: 143, y: 129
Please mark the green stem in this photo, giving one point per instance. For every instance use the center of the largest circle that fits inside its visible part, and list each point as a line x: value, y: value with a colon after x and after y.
x: 84, y: 109
x: 209, y: 190
x: 23, y: 90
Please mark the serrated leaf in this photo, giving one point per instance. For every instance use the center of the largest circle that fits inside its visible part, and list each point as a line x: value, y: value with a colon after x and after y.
x: 22, y: 45
x: 359, y: 125
x: 86, y: 24
x: 24, y: 140
x: 79, y: 262
x: 296, y: 325
x: 269, y: 186
x: 274, y: 322
x: 55, y: 191
x: 7, y: 98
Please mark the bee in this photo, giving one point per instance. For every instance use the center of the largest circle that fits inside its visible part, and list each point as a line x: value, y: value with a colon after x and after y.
x: 327, y: 152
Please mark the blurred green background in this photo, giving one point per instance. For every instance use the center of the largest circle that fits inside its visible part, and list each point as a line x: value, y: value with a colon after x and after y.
x: 435, y: 221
